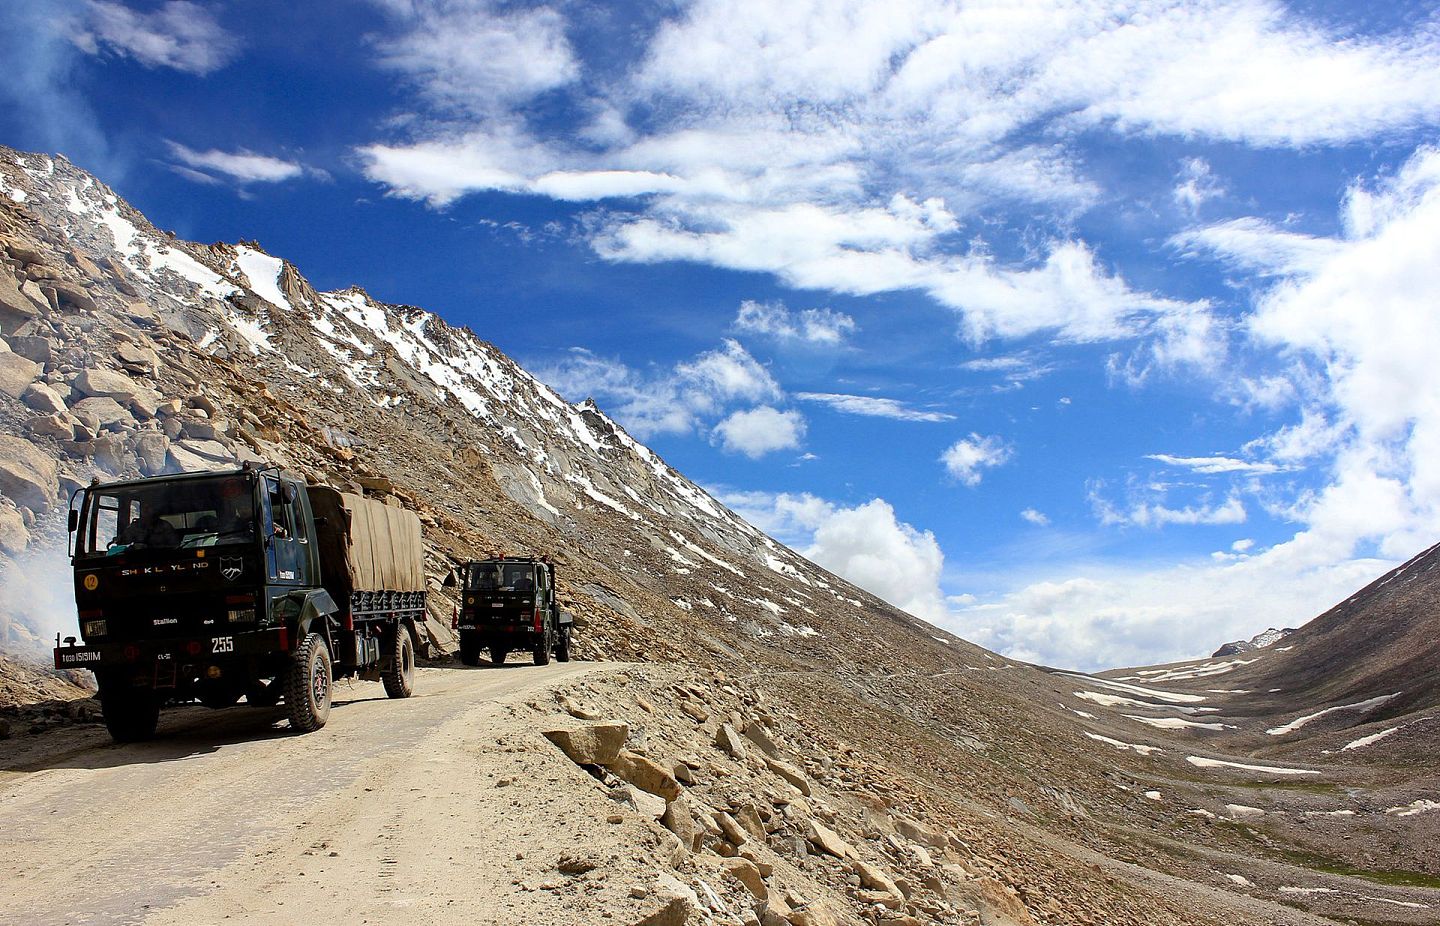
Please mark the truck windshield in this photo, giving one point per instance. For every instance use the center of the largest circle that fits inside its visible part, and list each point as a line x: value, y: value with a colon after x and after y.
x: 518, y: 577
x: 167, y: 515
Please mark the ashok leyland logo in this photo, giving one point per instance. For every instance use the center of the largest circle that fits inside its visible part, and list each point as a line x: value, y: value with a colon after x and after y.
x: 231, y: 567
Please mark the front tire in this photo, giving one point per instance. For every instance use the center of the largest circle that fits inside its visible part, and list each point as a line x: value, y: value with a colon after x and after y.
x: 542, y: 650
x: 399, y: 677
x: 307, y: 685
x: 131, y: 714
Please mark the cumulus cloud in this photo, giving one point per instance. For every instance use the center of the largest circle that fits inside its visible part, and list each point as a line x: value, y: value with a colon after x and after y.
x: 241, y: 166
x: 178, y: 34
x: 873, y: 406
x: 865, y: 544
x: 820, y: 327
x: 665, y: 401
x: 968, y: 456
x: 758, y: 431
x: 1038, y: 518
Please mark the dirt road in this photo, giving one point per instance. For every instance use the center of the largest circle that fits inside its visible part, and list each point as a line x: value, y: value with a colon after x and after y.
x: 441, y: 808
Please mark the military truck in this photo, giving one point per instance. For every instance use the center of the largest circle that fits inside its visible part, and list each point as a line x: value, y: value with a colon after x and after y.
x: 244, y: 583
x: 508, y: 603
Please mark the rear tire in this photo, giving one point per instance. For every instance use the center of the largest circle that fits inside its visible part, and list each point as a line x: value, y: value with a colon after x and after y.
x: 470, y: 653
x: 399, y: 678
x: 542, y: 650
x: 307, y: 685
x: 562, y: 645
x: 498, y: 654
x: 131, y: 714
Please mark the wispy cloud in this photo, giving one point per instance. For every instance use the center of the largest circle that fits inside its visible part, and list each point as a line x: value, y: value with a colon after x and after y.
x: 178, y: 34
x: 1216, y: 464
x: 240, y: 166
x: 1037, y: 518
x: 816, y: 327
x: 873, y: 406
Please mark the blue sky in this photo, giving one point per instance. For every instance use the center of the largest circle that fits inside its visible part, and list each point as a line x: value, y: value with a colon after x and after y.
x: 1098, y: 332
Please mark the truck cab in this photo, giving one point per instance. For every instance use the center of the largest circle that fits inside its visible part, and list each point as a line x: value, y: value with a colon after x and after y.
x: 508, y: 603
x: 212, y: 586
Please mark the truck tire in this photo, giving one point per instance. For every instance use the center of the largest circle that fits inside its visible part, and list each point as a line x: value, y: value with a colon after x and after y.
x: 542, y: 650
x: 469, y: 653
x: 498, y: 653
x: 562, y: 645
x: 307, y: 685
x: 131, y: 713
x: 399, y: 677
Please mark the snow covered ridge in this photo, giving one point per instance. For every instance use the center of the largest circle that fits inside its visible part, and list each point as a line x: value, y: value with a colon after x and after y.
x: 242, y: 302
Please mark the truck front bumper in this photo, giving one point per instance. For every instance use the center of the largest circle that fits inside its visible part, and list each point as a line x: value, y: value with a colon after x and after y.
x: 176, y: 650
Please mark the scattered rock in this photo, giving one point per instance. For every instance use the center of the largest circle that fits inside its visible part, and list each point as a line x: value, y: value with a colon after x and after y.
x: 591, y: 744
x: 646, y: 774
x: 790, y: 773
x: 60, y: 426
x: 14, y: 538
x: 642, y: 802
x: 828, y: 841
x: 102, y: 413
x: 27, y: 476
x: 571, y: 863
x: 16, y: 373
x: 744, y: 871
x: 728, y: 740
x: 32, y: 347
x: 677, y: 903
x: 44, y: 399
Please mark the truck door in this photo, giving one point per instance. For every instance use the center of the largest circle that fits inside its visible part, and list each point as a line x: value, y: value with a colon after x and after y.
x: 288, y: 545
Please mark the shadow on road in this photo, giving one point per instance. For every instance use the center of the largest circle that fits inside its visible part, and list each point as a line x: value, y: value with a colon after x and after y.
x: 185, y: 732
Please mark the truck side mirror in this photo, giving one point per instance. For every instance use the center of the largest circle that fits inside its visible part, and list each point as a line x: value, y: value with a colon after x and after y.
x: 74, y: 520
x: 289, y: 492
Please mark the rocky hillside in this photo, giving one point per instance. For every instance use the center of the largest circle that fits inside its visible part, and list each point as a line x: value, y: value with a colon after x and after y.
x: 130, y: 352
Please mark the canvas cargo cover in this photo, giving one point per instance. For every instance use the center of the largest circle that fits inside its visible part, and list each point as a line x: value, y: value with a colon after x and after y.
x: 381, y: 551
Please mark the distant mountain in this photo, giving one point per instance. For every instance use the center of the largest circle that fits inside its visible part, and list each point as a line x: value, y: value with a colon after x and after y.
x: 1259, y: 641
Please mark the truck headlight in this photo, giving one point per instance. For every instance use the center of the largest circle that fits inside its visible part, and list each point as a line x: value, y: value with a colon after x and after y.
x: 95, y: 628
x: 242, y: 616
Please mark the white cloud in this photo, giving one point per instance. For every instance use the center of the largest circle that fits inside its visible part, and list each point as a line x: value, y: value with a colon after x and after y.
x: 822, y: 327
x: 865, y: 544
x: 1195, y: 184
x: 1155, y: 514
x: 840, y: 147
x: 1258, y: 246
x: 470, y: 56
x: 673, y: 401
x: 968, y: 456
x: 873, y: 406
x: 1038, y: 518
x: 241, y: 166
x: 1210, y: 466
x: 178, y: 34
x: 759, y: 431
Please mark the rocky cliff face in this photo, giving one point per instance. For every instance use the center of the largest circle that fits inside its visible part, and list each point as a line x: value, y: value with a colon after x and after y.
x: 128, y: 352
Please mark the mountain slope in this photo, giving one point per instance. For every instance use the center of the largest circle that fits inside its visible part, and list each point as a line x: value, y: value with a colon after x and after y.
x: 132, y: 352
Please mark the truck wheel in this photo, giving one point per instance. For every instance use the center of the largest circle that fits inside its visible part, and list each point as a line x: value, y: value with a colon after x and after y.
x: 470, y: 653
x: 542, y: 650
x: 562, y: 645
x: 498, y: 653
x: 399, y: 678
x: 307, y: 685
x: 131, y: 713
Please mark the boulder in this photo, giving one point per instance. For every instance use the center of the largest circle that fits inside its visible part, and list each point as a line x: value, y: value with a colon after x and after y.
x: 153, y: 449
x: 590, y: 744
x: 101, y: 413
x: 744, y: 871
x: 115, y: 385
x: 679, y: 819
x: 758, y: 735
x: 71, y: 296
x: 59, y: 426
x: 642, y: 802
x: 137, y: 358
x: 27, y: 476
x: 919, y: 832
x: 16, y: 373
x: 828, y: 841
x: 875, y: 878
x: 33, y: 347
x: 728, y: 740
x: 202, y: 429
x: 646, y: 774
x: 674, y: 901
x: 14, y: 538
x: 44, y: 399
x: 790, y: 773
x: 15, y: 306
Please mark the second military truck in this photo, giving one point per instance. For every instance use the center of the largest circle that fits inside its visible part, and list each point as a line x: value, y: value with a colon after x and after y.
x: 246, y: 583
x: 509, y: 604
